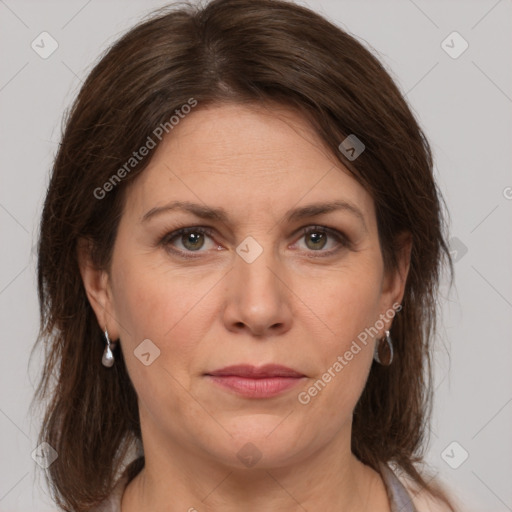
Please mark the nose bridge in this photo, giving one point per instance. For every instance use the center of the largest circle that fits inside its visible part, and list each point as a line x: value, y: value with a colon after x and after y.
x: 257, y: 265
x: 257, y: 296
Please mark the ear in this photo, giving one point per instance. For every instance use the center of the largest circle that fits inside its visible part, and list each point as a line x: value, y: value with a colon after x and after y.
x: 393, y: 286
x: 98, y: 290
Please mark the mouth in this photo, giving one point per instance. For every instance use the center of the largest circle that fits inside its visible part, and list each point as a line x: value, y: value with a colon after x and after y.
x: 256, y: 382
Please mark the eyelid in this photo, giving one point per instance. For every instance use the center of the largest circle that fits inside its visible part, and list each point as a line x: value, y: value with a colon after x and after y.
x: 341, y: 238
x: 169, y: 236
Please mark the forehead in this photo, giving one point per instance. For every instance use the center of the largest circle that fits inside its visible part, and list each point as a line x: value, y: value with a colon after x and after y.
x: 265, y: 139
x: 251, y: 159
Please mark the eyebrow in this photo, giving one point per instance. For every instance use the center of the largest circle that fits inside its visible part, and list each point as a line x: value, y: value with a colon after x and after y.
x: 219, y: 214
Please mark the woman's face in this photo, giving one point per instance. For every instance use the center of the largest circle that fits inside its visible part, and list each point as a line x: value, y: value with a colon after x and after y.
x: 255, y: 289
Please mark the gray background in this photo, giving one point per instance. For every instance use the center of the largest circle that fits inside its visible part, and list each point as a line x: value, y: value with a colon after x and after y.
x: 464, y: 105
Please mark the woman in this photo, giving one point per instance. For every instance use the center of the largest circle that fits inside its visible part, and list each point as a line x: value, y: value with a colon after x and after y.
x: 238, y: 262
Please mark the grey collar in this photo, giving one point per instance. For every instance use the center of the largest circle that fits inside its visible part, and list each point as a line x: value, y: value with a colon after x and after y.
x: 399, y: 498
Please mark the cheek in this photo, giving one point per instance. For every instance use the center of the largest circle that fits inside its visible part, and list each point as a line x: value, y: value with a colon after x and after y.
x: 149, y: 301
x: 347, y: 305
x: 164, y: 306
x: 149, y: 308
x: 138, y: 302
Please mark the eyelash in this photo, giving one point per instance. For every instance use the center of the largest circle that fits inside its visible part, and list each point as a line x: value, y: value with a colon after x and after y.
x: 340, y: 238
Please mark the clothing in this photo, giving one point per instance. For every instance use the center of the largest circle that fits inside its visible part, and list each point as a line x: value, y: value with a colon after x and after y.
x: 399, y: 498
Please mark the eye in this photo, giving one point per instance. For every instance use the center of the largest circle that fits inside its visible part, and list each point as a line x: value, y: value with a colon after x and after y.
x: 317, y: 237
x: 193, y: 239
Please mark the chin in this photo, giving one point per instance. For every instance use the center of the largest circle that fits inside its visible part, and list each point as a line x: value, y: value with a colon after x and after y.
x: 261, y: 442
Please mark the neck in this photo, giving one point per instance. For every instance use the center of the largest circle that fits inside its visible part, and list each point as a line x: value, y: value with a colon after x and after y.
x: 176, y: 477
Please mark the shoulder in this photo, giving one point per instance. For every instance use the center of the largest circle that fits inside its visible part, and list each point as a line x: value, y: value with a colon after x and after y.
x: 424, y: 501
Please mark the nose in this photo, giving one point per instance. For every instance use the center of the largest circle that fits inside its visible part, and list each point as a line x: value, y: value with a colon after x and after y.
x: 258, y: 297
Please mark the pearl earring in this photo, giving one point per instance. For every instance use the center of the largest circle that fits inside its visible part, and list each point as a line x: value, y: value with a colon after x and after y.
x: 108, y: 357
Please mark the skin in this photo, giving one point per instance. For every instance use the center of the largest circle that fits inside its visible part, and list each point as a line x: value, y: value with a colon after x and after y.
x: 286, y: 307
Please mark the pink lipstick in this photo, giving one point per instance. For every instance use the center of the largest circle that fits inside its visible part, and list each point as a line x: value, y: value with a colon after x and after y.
x: 256, y: 382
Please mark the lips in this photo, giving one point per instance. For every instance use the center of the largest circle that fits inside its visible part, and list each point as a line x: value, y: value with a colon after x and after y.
x: 256, y: 382
x: 253, y: 372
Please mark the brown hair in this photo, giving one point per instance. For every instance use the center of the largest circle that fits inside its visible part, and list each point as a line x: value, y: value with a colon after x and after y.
x: 242, y: 51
